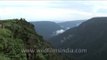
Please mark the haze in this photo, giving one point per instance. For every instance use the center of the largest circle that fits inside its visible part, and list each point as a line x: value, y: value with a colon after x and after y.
x: 52, y: 10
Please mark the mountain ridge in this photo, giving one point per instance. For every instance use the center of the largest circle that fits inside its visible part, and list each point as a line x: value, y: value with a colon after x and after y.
x: 90, y: 35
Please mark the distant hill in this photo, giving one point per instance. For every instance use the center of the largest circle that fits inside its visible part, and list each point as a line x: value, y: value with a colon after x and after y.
x: 70, y: 24
x: 46, y: 28
x: 49, y: 29
x: 90, y: 35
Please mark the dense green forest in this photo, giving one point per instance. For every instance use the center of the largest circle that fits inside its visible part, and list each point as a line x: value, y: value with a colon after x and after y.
x: 17, y: 36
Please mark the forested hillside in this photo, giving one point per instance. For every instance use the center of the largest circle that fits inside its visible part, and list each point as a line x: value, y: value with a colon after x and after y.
x: 18, y: 37
x: 46, y: 28
x: 90, y: 35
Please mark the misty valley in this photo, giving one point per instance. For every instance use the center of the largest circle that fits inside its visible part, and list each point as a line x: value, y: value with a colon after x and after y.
x: 53, y: 30
x: 48, y: 40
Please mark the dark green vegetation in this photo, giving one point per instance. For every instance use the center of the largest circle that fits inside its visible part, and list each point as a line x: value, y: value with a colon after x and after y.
x: 90, y: 35
x: 46, y: 28
x: 17, y: 36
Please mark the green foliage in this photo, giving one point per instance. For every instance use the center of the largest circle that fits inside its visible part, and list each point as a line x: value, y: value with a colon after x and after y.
x: 5, y: 33
x: 16, y: 35
x: 40, y: 57
x: 3, y: 57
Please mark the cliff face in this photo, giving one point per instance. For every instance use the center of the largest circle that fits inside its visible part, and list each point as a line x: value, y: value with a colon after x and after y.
x: 18, y: 38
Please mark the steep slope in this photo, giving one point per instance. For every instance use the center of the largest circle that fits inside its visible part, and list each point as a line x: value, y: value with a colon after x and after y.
x: 70, y: 24
x: 90, y: 35
x: 46, y: 28
x: 19, y: 41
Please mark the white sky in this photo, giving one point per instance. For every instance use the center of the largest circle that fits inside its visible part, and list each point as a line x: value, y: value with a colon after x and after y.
x: 52, y: 10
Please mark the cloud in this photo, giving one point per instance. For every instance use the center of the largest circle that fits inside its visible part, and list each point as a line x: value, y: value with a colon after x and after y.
x: 59, y: 31
x: 40, y: 13
x: 52, y: 10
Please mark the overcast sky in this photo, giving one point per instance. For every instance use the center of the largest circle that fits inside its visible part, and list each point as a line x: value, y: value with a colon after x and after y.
x: 52, y: 10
